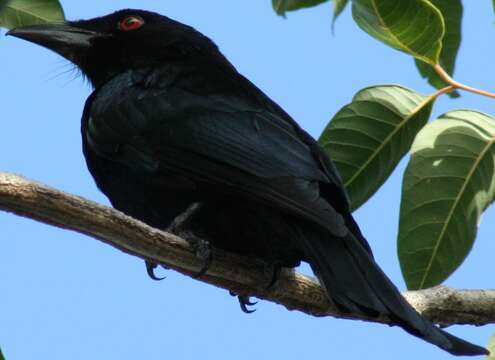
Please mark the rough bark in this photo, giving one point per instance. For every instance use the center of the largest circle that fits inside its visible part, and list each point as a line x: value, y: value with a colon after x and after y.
x: 242, y: 275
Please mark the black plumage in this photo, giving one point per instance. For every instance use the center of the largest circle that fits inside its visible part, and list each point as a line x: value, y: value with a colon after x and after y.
x: 172, y: 123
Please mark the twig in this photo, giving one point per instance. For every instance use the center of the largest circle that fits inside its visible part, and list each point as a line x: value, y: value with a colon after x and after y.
x: 442, y: 91
x: 457, y: 85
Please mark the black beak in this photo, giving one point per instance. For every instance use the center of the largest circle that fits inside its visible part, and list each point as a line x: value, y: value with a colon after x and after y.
x: 64, y: 39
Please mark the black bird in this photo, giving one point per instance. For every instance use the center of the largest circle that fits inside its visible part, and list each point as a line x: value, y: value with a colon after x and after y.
x: 171, y: 126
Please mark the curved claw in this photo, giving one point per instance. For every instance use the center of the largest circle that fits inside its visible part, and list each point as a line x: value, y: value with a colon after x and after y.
x: 150, y: 270
x: 246, y: 310
x: 244, y: 302
x: 251, y: 303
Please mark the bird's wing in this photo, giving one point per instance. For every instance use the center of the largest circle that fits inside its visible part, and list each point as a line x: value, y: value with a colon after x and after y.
x: 221, y: 141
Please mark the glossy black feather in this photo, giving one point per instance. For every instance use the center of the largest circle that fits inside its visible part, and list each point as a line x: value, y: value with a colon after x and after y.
x: 172, y: 123
x: 268, y: 189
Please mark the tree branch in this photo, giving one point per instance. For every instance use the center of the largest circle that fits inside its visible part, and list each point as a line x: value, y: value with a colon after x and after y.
x: 240, y: 274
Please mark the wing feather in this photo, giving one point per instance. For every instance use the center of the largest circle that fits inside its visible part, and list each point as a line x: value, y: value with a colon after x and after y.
x: 224, y: 142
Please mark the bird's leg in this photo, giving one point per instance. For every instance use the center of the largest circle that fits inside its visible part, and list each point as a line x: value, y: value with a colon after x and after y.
x: 244, y: 302
x: 176, y: 227
x: 201, y: 247
x: 179, y: 223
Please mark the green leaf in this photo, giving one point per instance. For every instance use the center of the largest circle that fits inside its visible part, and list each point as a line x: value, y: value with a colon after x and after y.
x: 448, y: 183
x: 338, y: 7
x: 29, y: 12
x: 367, y: 138
x: 413, y: 26
x: 452, y: 14
x: 281, y: 6
x: 1, y: 355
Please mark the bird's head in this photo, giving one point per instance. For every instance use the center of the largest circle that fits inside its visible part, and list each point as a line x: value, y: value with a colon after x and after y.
x: 127, y: 39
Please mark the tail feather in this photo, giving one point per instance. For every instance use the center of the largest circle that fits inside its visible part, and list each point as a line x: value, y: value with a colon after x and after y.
x: 357, y: 285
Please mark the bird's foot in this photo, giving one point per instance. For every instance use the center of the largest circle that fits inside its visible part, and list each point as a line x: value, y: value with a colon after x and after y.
x: 204, y: 252
x: 150, y: 270
x: 244, y: 302
x: 202, y: 249
x: 176, y: 227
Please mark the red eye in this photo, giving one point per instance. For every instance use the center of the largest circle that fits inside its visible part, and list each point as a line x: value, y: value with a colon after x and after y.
x: 131, y: 23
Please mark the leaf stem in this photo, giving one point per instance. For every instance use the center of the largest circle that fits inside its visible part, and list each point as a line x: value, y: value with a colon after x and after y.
x: 442, y: 91
x: 457, y: 85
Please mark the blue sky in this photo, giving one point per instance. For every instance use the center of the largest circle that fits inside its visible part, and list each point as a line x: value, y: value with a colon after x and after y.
x: 67, y: 296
